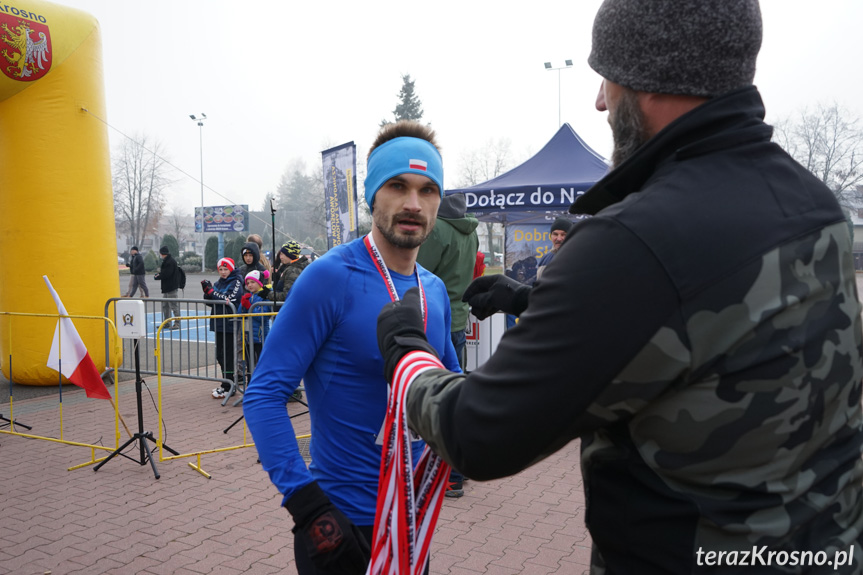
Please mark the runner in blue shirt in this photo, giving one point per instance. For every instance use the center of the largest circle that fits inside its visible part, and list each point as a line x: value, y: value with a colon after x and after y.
x: 326, y: 337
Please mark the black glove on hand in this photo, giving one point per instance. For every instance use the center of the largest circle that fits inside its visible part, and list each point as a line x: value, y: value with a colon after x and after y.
x: 264, y: 292
x: 400, y: 330
x: 489, y: 294
x: 206, y: 285
x: 333, y: 542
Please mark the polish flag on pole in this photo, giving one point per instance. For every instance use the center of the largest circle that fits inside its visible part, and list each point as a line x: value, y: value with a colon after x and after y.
x: 76, y: 365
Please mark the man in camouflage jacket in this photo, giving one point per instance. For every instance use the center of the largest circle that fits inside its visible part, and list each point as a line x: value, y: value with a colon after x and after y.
x: 700, y: 333
x: 287, y: 273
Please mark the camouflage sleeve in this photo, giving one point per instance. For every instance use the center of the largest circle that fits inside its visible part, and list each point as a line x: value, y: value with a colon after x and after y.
x: 602, y: 298
x: 290, y: 275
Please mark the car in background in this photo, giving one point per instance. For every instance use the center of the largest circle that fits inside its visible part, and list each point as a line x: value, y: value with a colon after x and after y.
x: 309, y: 253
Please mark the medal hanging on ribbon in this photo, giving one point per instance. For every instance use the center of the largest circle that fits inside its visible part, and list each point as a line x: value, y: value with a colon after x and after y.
x: 409, y: 497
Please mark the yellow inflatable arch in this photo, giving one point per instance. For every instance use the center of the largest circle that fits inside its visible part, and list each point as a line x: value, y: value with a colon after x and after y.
x: 56, y: 202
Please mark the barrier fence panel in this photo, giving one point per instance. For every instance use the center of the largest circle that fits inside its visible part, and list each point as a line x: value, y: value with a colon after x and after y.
x: 259, y: 307
x: 189, y: 350
x: 216, y: 442
x: 186, y: 351
x: 99, y: 424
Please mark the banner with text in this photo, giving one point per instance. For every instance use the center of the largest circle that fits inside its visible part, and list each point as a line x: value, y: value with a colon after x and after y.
x: 525, y: 245
x: 340, y: 191
x: 222, y: 218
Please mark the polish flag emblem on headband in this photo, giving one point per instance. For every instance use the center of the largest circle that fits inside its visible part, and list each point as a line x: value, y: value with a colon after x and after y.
x: 417, y: 165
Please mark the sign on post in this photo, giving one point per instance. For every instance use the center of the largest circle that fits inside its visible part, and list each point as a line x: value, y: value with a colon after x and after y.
x: 131, y: 319
x: 482, y: 337
x: 223, y: 218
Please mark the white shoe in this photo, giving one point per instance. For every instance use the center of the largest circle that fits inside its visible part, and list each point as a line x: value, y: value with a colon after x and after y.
x: 218, y: 393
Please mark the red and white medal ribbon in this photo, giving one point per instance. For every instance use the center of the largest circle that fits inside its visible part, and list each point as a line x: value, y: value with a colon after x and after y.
x: 409, y: 497
x: 381, y: 266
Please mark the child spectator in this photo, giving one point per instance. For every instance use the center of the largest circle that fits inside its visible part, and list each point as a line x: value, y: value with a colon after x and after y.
x: 229, y: 288
x: 255, y: 281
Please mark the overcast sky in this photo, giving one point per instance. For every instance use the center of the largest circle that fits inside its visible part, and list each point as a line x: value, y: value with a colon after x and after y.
x: 283, y: 80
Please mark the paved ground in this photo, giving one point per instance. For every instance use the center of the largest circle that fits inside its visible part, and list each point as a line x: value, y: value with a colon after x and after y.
x: 122, y: 521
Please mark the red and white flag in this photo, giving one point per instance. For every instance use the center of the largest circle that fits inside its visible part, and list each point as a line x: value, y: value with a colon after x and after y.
x: 418, y: 165
x: 76, y: 364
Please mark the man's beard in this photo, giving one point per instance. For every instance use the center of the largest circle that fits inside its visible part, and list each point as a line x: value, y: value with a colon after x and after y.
x: 387, y: 227
x: 627, y: 127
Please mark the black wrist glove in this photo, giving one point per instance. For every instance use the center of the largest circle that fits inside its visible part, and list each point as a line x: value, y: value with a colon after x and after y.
x: 400, y: 330
x: 206, y: 285
x: 489, y: 294
x: 333, y: 542
x: 264, y: 292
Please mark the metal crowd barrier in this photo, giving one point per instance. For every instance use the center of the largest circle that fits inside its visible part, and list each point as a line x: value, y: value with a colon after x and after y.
x: 111, y: 356
x: 272, y: 309
x: 187, y: 352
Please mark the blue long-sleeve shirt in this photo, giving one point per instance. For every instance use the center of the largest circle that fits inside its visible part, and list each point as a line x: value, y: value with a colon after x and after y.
x: 326, y: 336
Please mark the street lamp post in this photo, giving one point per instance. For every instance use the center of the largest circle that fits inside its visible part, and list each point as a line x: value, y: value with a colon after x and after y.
x: 200, y: 122
x: 568, y: 64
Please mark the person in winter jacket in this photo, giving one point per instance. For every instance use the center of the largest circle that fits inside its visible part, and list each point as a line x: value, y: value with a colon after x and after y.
x: 292, y: 266
x: 170, y: 280
x: 251, y: 254
x: 255, y: 282
x: 229, y: 288
x: 557, y: 234
x: 259, y: 241
x: 138, y: 273
x: 700, y: 334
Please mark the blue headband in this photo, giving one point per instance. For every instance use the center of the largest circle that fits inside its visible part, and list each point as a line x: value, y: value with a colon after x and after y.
x: 403, y: 155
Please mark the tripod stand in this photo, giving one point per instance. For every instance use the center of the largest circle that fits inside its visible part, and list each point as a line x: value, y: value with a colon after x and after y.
x: 239, y: 419
x: 141, y: 436
x: 9, y: 422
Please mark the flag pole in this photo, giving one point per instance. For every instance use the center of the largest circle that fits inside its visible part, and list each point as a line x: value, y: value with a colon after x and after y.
x: 117, y: 411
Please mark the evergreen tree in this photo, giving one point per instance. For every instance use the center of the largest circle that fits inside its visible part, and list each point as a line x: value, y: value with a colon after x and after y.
x: 409, y: 106
x: 173, y: 245
x: 151, y: 261
x: 211, y: 252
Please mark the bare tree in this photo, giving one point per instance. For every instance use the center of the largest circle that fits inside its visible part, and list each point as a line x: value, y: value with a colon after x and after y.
x: 178, y: 224
x: 485, y: 163
x: 482, y: 164
x: 829, y: 143
x: 139, y: 182
x: 301, y: 203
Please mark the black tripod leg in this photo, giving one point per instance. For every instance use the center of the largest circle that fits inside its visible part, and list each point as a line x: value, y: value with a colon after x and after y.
x: 149, y: 436
x: 10, y: 422
x: 238, y: 420
x: 146, y: 447
x: 116, y: 452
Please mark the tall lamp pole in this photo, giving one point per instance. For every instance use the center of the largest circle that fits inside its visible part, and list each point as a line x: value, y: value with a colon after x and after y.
x: 568, y: 64
x: 200, y: 122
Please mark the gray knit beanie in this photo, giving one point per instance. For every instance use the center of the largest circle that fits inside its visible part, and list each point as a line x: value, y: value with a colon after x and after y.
x: 689, y: 47
x: 561, y: 224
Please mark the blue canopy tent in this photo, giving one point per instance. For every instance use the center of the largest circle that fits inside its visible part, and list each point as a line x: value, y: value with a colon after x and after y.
x: 547, y: 182
x: 529, y: 197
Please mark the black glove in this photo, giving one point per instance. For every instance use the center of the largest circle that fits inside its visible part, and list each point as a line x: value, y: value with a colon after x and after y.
x: 400, y: 330
x: 156, y: 276
x: 489, y: 294
x: 264, y: 291
x: 333, y: 542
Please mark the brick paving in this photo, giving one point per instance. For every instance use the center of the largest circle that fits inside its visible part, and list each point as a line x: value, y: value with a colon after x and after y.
x: 122, y: 521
